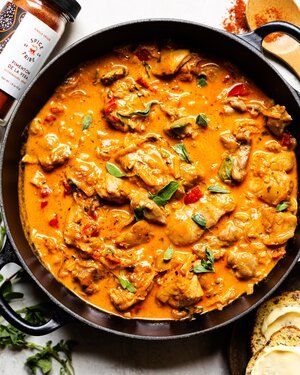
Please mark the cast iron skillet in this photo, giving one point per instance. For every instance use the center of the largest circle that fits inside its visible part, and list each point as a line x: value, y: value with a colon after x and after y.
x: 243, y: 51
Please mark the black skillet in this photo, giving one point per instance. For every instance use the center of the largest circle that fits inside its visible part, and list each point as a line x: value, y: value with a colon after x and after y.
x: 243, y: 51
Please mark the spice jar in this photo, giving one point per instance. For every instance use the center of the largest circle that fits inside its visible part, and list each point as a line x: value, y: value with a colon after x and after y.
x: 29, y: 30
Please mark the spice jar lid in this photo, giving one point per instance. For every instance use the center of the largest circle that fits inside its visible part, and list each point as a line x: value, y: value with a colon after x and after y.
x: 70, y: 7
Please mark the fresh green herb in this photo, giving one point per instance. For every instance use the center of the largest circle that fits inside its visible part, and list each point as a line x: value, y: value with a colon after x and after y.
x: 2, y: 236
x: 282, y: 206
x: 114, y: 170
x: 168, y: 254
x: 139, y: 213
x: 165, y: 194
x: 205, y: 265
x: 200, y: 220
x: 202, y: 120
x: 61, y: 352
x: 226, y: 169
x: 11, y: 337
x: 202, y: 80
x: 1, y: 278
x: 87, y: 121
x: 34, y: 314
x: 126, y: 284
x: 142, y: 113
x: 217, y: 189
x: 182, y: 152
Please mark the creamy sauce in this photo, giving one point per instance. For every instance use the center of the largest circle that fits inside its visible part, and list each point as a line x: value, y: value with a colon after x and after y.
x: 104, y: 237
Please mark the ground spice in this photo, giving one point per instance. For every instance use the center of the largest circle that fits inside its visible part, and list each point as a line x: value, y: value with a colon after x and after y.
x: 272, y: 14
x: 235, y: 21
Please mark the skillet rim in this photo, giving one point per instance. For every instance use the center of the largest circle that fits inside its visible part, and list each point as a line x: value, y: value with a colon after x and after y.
x: 65, y: 309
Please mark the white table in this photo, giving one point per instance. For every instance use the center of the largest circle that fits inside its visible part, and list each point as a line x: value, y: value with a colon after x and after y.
x: 101, y: 353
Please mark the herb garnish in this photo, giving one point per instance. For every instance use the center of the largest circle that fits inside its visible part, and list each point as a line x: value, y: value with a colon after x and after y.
x: 282, y: 206
x: 226, y: 169
x: 202, y: 80
x: 165, y: 194
x: 205, y: 265
x: 182, y: 152
x: 142, y: 113
x: 139, y: 213
x: 168, y: 254
x: 202, y: 120
x: 200, y: 220
x: 217, y: 189
x: 114, y: 170
x: 126, y: 284
x: 87, y: 121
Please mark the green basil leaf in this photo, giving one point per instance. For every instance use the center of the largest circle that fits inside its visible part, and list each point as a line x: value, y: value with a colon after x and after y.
x: 10, y: 296
x: 1, y: 278
x: 165, y: 194
x: 282, y: 206
x: 202, y: 120
x: 205, y: 265
x: 87, y: 121
x: 217, y: 189
x: 202, y: 81
x: 142, y: 113
x: 139, y: 213
x: 126, y: 284
x: 114, y: 170
x: 168, y: 254
x: 2, y: 236
x: 226, y: 169
x: 200, y: 220
x: 182, y: 152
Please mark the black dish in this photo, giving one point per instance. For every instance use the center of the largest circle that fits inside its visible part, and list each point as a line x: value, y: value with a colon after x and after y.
x: 242, y: 51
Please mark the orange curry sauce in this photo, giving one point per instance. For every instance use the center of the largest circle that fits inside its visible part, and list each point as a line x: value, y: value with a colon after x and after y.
x: 99, y: 153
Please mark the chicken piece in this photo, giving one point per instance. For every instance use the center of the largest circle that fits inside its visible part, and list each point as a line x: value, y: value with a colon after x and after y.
x: 140, y: 233
x: 170, y: 62
x: 179, y: 258
x: 115, y: 73
x: 264, y: 161
x: 279, y: 226
x: 81, y: 230
x: 230, y: 234
x: 56, y: 157
x: 39, y: 180
x: 277, y: 119
x: 181, y: 128
x: 243, y: 264
x: 141, y: 279
x: 244, y: 129
x: 85, y: 272
x: 237, y: 104
x: 283, y: 161
x: 84, y: 174
x: 183, y: 231
x: 229, y: 141
x: 152, y: 163
x: 273, y: 187
x: 191, y: 174
x: 114, y: 189
x: 190, y: 68
x: 216, y: 247
x: 240, y: 162
x: 179, y: 290
x: 151, y: 211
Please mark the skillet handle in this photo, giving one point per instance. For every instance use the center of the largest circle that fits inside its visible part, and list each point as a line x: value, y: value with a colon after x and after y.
x: 58, y: 319
x: 255, y: 38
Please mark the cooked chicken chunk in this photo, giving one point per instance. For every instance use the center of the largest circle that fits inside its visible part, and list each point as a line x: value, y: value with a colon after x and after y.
x: 237, y: 104
x: 115, y: 73
x: 56, y: 157
x: 179, y: 290
x: 183, y: 231
x: 38, y: 180
x: 280, y: 161
x: 230, y: 234
x: 191, y: 174
x: 240, y: 162
x: 114, y: 189
x: 180, y: 128
x: 244, y: 264
x: 141, y: 279
x: 229, y: 141
x: 170, y: 62
x: 151, y: 211
x: 190, y: 68
x: 279, y: 226
x: 140, y: 233
x: 277, y: 119
x: 84, y: 174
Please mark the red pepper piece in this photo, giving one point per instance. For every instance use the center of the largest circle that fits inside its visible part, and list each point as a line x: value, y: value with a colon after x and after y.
x: 141, y: 81
x: 45, y: 192
x: 240, y: 89
x: 67, y: 188
x: 112, y: 259
x: 57, y: 110
x: 193, y: 196
x: 44, y: 204
x: 287, y: 140
x: 143, y: 54
x: 54, y: 222
x: 111, y: 106
x: 91, y: 230
x: 50, y: 118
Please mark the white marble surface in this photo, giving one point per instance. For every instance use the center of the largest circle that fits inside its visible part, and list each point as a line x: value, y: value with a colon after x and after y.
x: 101, y: 353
